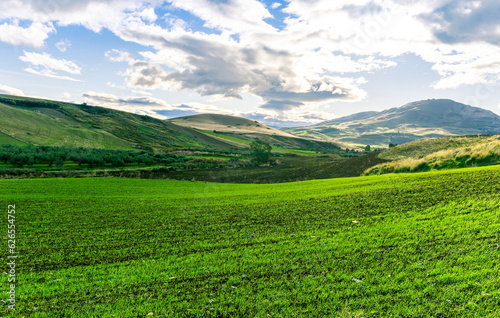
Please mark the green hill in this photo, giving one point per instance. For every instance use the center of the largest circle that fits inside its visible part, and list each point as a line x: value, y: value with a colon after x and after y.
x: 413, y: 121
x: 242, y: 131
x: 440, y: 153
x: 43, y: 122
x: 32, y: 121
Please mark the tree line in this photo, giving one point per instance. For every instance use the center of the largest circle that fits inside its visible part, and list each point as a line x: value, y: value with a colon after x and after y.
x: 20, y: 156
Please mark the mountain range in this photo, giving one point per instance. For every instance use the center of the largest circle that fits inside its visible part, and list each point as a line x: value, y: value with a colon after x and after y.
x: 427, y: 118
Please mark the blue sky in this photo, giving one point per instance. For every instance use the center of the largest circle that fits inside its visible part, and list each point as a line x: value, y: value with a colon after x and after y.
x: 285, y: 63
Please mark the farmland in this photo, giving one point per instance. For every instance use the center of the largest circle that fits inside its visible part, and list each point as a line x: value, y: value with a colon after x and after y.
x: 423, y: 244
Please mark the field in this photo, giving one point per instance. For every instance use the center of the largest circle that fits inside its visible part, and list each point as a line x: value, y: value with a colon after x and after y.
x: 440, y: 153
x: 405, y: 245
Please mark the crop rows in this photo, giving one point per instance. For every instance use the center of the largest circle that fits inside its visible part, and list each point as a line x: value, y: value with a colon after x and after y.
x: 408, y: 245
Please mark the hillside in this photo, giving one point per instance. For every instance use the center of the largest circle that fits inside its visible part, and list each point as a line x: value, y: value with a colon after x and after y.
x: 440, y: 153
x: 43, y: 122
x: 428, y: 118
x: 32, y: 121
x: 242, y: 131
x: 227, y: 124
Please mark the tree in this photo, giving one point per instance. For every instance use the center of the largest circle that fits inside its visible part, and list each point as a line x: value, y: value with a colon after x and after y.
x: 21, y: 159
x: 392, y: 145
x: 261, y: 151
x: 368, y: 148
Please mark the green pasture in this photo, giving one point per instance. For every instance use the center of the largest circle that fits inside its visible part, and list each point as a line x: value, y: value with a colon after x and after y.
x: 397, y: 245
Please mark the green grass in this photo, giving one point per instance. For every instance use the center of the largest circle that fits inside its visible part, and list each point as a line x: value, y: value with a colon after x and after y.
x: 425, y: 245
x: 41, y: 122
x: 440, y: 153
x: 275, y: 149
x: 6, y: 139
x: 239, y: 140
x: 423, y: 147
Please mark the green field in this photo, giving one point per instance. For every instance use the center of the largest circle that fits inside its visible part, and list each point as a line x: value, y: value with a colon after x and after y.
x: 440, y: 153
x: 405, y: 245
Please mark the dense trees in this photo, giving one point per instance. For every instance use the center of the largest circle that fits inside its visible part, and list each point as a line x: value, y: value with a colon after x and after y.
x: 29, y: 155
x: 261, y: 151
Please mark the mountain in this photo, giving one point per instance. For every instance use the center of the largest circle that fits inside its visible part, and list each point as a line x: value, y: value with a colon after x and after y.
x: 427, y: 118
x: 242, y: 131
x: 32, y: 121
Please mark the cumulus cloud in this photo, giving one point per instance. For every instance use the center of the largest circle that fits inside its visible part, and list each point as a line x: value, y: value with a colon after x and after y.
x: 147, y: 105
x: 144, y: 105
x: 235, y: 16
x: 110, y: 100
x: 34, y: 35
x: 218, y: 66
x: 276, y: 5
x: 321, y: 54
x: 92, y: 14
x: 146, y: 75
x: 63, y: 45
x: 45, y: 65
x: 290, y: 118
x: 466, y: 21
x: 66, y: 96
x: 4, y: 89
x: 115, y: 55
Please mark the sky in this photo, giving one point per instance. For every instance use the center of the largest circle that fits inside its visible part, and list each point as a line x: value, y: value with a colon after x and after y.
x: 283, y: 63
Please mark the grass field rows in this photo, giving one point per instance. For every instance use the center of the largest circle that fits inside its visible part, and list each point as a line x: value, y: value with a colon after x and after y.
x: 406, y: 245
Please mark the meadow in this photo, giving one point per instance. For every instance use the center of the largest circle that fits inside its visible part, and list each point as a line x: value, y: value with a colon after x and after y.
x: 440, y: 153
x: 396, y: 245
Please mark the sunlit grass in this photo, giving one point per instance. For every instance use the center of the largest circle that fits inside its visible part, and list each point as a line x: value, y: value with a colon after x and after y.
x: 420, y: 245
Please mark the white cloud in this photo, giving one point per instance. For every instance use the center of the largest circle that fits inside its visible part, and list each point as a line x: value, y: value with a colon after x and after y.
x: 92, y: 14
x: 110, y: 100
x: 118, y: 56
x: 235, y: 16
x: 4, y: 89
x: 147, y: 105
x: 63, y: 45
x: 139, y: 92
x: 321, y: 55
x: 276, y: 5
x: 34, y: 35
x: 66, y: 96
x: 144, y: 105
x: 45, y: 65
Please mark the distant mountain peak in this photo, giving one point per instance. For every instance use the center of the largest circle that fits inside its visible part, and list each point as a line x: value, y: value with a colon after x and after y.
x: 419, y: 119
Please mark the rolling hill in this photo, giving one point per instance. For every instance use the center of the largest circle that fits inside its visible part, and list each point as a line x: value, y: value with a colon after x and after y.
x: 242, y: 131
x: 440, y: 153
x: 32, y: 121
x: 29, y: 121
x: 228, y: 124
x: 428, y: 118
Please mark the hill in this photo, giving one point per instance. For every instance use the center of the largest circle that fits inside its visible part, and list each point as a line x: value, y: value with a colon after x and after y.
x: 30, y: 121
x: 440, y: 153
x: 428, y: 118
x: 242, y: 131
x: 227, y: 124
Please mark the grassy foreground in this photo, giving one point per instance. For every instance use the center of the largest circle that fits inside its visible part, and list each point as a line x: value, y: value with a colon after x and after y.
x: 406, y: 245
